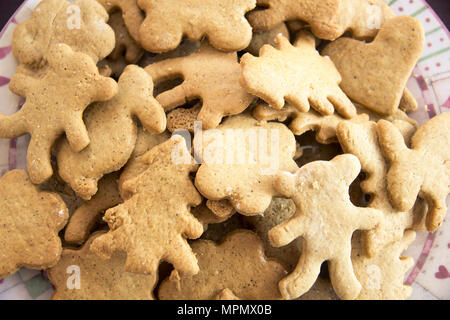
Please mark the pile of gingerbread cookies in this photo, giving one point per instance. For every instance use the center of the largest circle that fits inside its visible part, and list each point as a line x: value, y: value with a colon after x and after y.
x: 129, y: 102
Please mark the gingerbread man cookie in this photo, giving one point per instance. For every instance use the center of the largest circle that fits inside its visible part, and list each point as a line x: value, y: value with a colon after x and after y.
x: 325, y: 218
x: 55, y: 100
x: 112, y: 131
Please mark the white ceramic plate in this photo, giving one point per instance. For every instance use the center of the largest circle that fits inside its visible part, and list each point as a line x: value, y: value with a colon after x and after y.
x: 430, y: 84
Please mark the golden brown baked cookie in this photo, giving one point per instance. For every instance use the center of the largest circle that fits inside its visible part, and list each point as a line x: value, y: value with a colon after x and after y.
x: 209, y: 75
x: 325, y: 125
x: 408, y: 103
x: 328, y: 19
x: 206, y: 216
x: 382, y: 276
x: 158, y: 211
x: 221, y: 208
x: 375, y: 74
x: 57, y: 185
x: 361, y: 139
x: 222, y: 22
x: 82, y: 275
x: 55, y: 100
x: 233, y: 168
x: 83, y: 219
x: 112, y: 131
x: 295, y: 74
x: 145, y: 141
x: 325, y: 219
x: 226, y: 294
x: 237, y: 263
x: 422, y: 170
x: 301, y: 122
x: 80, y: 24
x: 29, y: 224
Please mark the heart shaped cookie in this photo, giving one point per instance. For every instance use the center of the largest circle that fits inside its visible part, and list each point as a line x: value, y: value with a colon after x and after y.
x: 375, y: 74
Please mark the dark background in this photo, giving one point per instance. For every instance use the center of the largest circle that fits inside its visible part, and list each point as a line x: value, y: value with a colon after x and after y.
x: 7, y: 8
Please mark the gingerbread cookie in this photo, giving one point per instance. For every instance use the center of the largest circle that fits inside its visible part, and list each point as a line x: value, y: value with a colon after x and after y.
x: 325, y: 219
x: 223, y: 23
x: 295, y: 74
x: 55, y: 101
x: 234, y: 168
x: 82, y: 275
x: 29, y: 224
x: 186, y: 48
x: 209, y: 75
x: 328, y: 19
x: 83, y: 219
x: 422, y: 170
x: 112, y: 131
x: 375, y: 74
x: 158, y: 210
x: 80, y: 24
x: 237, y: 263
